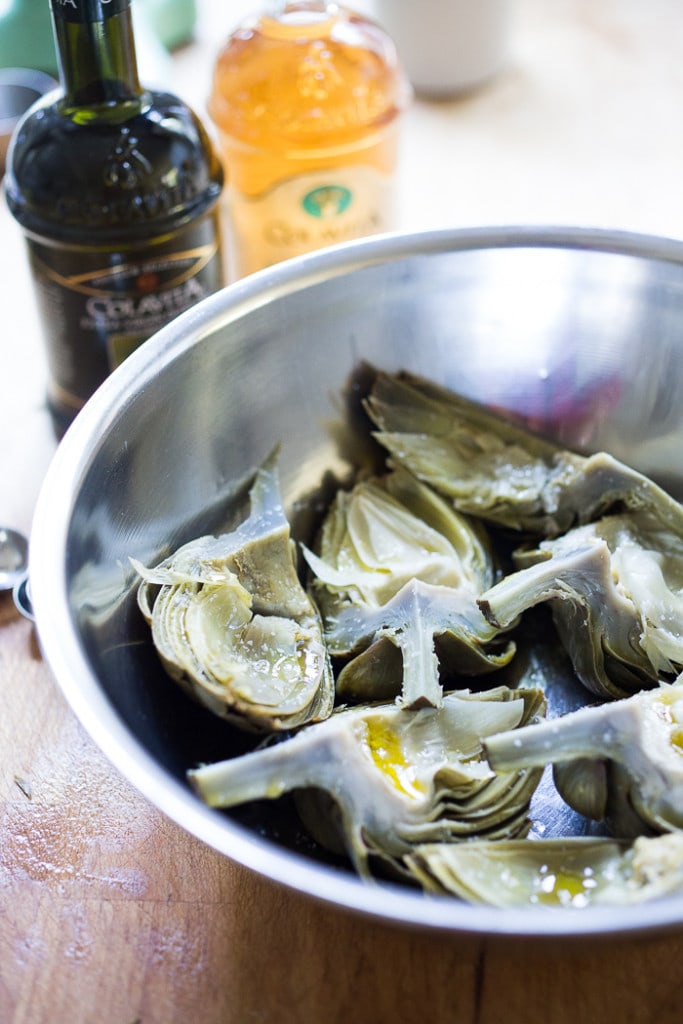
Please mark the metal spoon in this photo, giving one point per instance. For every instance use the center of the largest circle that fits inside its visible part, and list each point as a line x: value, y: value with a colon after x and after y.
x: 22, y: 598
x: 13, y: 557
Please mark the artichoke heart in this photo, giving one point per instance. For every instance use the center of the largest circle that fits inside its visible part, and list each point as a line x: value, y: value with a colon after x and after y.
x: 635, y: 746
x: 394, y: 777
x: 498, y: 471
x: 572, y: 873
x: 397, y: 567
x: 233, y: 624
x: 615, y: 588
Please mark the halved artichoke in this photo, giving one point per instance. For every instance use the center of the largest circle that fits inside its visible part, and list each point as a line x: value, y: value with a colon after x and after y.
x: 615, y: 588
x: 395, y: 778
x: 397, y: 567
x: 621, y: 761
x: 498, y: 471
x: 233, y: 624
x: 572, y: 873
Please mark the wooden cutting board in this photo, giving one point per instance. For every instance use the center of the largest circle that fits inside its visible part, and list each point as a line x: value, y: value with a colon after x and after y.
x: 112, y: 914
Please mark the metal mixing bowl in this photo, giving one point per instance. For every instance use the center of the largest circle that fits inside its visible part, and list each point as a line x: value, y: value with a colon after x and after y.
x: 579, y: 331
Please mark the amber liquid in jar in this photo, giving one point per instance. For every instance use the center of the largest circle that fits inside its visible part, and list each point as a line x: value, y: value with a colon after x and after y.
x: 306, y: 102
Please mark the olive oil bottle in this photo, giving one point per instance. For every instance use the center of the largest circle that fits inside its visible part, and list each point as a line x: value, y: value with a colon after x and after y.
x: 116, y: 188
x: 306, y: 98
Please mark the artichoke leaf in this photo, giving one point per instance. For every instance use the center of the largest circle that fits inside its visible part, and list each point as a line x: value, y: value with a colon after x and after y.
x: 636, y: 744
x: 233, y: 624
x: 616, y: 592
x: 392, y: 776
x: 501, y: 472
x: 585, y: 783
x: 395, y: 563
x: 572, y: 873
x: 389, y: 530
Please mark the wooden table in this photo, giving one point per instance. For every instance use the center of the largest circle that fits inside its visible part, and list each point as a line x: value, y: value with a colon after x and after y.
x: 110, y: 913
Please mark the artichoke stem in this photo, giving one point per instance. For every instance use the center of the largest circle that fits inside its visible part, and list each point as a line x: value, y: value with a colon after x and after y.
x: 264, y: 774
x: 421, y: 686
x: 560, y: 576
x: 603, y: 731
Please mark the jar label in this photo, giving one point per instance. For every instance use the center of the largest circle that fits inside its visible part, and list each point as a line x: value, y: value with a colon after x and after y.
x: 97, y: 307
x: 307, y: 212
x: 87, y: 10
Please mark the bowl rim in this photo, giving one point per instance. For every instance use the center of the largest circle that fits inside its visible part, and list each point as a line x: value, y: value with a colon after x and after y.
x: 57, y: 637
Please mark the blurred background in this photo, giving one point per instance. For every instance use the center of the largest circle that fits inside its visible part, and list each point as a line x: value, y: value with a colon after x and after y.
x: 579, y: 125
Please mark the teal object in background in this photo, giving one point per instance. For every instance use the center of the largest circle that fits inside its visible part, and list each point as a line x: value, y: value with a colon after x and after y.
x: 26, y: 35
x: 172, y: 21
x: 26, y: 30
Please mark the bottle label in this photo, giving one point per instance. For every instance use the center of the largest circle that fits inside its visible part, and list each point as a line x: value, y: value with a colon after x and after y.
x: 97, y: 307
x: 87, y: 10
x: 307, y: 212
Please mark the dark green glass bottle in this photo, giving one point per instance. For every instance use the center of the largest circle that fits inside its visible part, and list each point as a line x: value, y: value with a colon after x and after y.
x: 116, y: 188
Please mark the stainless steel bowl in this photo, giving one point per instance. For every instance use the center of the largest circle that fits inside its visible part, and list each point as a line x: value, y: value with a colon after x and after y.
x: 579, y: 331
